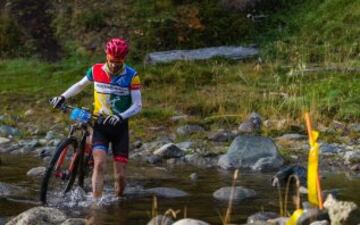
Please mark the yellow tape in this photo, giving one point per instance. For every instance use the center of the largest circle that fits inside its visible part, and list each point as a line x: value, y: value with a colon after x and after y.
x: 312, y: 173
x: 295, y: 217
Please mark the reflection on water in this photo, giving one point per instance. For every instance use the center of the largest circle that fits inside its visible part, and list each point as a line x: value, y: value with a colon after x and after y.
x: 136, y: 208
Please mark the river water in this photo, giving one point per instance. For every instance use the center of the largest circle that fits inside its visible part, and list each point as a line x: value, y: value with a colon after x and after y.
x: 137, y: 210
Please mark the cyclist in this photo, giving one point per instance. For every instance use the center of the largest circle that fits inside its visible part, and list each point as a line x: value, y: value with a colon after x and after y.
x: 117, y: 97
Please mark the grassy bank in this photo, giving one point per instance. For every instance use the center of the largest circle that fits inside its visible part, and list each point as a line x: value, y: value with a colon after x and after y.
x: 203, y: 90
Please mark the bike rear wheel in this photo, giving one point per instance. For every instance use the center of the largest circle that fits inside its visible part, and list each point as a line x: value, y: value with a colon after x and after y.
x: 61, y: 171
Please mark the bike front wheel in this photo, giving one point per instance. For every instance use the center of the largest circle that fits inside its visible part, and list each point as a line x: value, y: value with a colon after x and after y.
x: 61, y: 171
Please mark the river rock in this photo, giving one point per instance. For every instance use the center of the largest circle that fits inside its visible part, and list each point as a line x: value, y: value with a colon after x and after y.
x: 4, y: 140
x: 355, y: 127
x: 341, y: 212
x: 186, y: 145
x: 189, y: 129
x: 232, y: 52
x: 311, y: 215
x: 161, y: 220
x: 279, y: 221
x: 246, y: 151
x: 221, y: 136
x: 201, y: 161
x: 292, y: 137
x: 166, y: 192
x: 352, y: 157
x: 169, y: 150
x: 189, y: 221
x: 6, y: 131
x: 282, y: 176
x: 252, y: 124
x: 330, y: 148
x: 261, y: 216
x: 9, y: 189
x: 36, y: 172
x: 322, y: 222
x: 39, y: 216
x: 240, y: 193
x: 74, y: 221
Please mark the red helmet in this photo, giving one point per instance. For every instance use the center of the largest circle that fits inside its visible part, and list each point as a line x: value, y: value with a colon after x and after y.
x: 117, y: 48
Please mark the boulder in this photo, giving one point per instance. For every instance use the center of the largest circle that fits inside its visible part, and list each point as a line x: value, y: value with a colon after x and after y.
x: 39, y: 216
x: 341, y: 212
x: 247, y: 151
x: 232, y: 52
x: 239, y: 193
x: 189, y: 221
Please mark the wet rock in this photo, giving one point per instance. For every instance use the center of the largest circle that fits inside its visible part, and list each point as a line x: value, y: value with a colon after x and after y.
x: 193, y: 176
x: 153, y: 159
x: 267, y: 164
x: 31, y: 144
x: 39, y: 216
x: 189, y: 129
x: 281, y: 177
x: 279, y: 221
x: 10, y: 148
x: 352, y: 157
x: 166, y: 192
x: 36, y: 172
x: 341, y: 212
x: 262, y: 216
x: 7, y: 131
x: 161, y: 220
x: 240, y: 193
x: 246, y: 151
x: 200, y: 161
x: 233, y: 52
x: 4, y: 140
x: 50, y: 135
x: 330, y: 148
x: 169, y: 150
x: 74, y: 221
x: 189, y: 221
x: 322, y: 222
x: 9, y: 189
x: 311, y: 215
x: 221, y: 136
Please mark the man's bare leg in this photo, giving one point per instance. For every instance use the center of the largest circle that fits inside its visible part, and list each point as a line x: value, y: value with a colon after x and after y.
x: 98, y: 173
x: 119, y: 178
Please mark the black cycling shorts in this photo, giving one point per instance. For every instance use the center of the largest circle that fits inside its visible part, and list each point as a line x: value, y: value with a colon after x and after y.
x: 117, y: 135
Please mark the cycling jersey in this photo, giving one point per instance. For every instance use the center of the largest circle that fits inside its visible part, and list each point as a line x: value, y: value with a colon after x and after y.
x: 112, y: 93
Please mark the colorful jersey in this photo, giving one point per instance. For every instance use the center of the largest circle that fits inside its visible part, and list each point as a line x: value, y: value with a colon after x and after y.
x: 112, y: 94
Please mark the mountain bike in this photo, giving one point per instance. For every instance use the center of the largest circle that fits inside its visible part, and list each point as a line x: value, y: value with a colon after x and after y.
x: 72, y: 157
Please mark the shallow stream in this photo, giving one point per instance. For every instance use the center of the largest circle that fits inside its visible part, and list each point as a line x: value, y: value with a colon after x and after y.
x: 136, y: 210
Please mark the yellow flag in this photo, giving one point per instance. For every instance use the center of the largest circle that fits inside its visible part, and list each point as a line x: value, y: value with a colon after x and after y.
x: 312, y: 173
x: 295, y: 217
